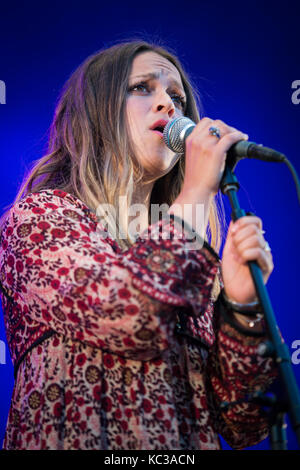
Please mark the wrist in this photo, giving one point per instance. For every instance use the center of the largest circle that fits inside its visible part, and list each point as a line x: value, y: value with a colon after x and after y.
x: 194, y: 208
x: 253, y: 323
x: 202, y: 195
x: 250, y: 308
x: 245, y: 316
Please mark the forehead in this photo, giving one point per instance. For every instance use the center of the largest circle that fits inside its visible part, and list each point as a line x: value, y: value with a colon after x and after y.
x: 151, y: 62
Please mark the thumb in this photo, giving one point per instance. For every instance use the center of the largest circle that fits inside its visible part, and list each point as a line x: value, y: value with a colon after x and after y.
x: 231, y: 228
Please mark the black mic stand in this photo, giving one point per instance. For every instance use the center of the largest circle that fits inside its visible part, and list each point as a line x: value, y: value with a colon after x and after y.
x: 275, y: 346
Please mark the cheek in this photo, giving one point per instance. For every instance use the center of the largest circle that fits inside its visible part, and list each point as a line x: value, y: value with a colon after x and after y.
x: 136, y: 118
x: 137, y: 108
x: 133, y: 117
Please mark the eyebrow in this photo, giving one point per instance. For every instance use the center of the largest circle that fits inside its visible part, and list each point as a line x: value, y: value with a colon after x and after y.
x: 155, y: 76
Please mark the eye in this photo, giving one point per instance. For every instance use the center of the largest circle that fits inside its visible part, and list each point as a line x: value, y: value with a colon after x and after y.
x: 180, y: 100
x: 141, y: 86
x: 145, y: 87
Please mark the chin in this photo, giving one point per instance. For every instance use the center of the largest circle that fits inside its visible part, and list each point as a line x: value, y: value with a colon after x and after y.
x: 169, y: 162
x: 160, y: 163
x: 162, y: 167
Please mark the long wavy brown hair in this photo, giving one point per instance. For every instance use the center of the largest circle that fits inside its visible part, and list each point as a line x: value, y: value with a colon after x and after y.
x: 90, y: 154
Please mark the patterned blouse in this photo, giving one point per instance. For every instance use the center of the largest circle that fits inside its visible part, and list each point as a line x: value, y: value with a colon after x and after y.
x: 117, y: 349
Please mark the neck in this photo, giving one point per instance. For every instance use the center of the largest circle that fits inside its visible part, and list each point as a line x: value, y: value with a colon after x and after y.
x: 138, y: 216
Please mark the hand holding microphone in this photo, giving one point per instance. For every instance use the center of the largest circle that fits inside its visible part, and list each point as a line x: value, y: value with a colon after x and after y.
x: 179, y: 129
x: 205, y: 145
x: 205, y: 155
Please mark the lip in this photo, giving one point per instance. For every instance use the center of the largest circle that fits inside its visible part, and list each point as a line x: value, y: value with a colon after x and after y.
x: 160, y: 134
x: 159, y: 123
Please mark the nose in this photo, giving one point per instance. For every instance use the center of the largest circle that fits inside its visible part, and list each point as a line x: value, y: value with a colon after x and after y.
x: 164, y: 102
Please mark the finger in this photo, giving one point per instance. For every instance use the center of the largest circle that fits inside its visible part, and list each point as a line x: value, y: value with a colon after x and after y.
x: 265, y: 261
x: 229, y: 139
x: 199, y: 132
x: 250, y: 242
x: 245, y: 221
x: 202, y: 124
x: 225, y: 127
x: 250, y: 237
x: 202, y: 129
x: 248, y: 231
x: 263, y: 258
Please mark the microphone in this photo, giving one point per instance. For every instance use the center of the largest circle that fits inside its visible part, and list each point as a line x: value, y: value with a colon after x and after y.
x: 177, y: 130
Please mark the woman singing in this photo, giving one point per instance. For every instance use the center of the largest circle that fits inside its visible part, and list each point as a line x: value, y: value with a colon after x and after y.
x: 123, y: 338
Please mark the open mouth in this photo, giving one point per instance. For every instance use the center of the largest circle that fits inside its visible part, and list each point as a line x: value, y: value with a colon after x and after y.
x: 159, y: 126
x: 159, y: 130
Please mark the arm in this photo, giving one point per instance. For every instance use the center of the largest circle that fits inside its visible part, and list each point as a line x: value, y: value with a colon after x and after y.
x: 67, y: 276
x: 235, y: 372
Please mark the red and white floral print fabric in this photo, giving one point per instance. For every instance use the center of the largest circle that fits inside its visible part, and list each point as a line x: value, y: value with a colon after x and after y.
x: 119, y: 349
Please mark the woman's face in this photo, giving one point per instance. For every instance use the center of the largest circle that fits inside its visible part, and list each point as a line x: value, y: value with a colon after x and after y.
x: 155, y: 93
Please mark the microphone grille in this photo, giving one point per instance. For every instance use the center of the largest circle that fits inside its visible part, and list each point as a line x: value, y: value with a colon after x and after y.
x: 172, y: 133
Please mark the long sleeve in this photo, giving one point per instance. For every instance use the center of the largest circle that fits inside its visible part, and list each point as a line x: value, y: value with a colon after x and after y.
x: 93, y: 334
x: 235, y: 372
x: 64, y: 274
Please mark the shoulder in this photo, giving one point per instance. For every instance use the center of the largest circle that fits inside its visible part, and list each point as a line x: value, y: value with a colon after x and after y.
x: 49, y: 200
x: 56, y: 212
x: 50, y: 205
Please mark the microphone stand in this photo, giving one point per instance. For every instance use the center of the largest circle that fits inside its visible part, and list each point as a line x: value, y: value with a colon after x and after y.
x: 275, y: 346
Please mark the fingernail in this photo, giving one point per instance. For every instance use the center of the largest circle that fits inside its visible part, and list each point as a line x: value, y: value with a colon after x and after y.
x: 234, y: 228
x: 246, y: 137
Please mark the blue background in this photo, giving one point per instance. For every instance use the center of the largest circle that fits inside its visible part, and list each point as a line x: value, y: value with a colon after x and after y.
x: 243, y: 57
